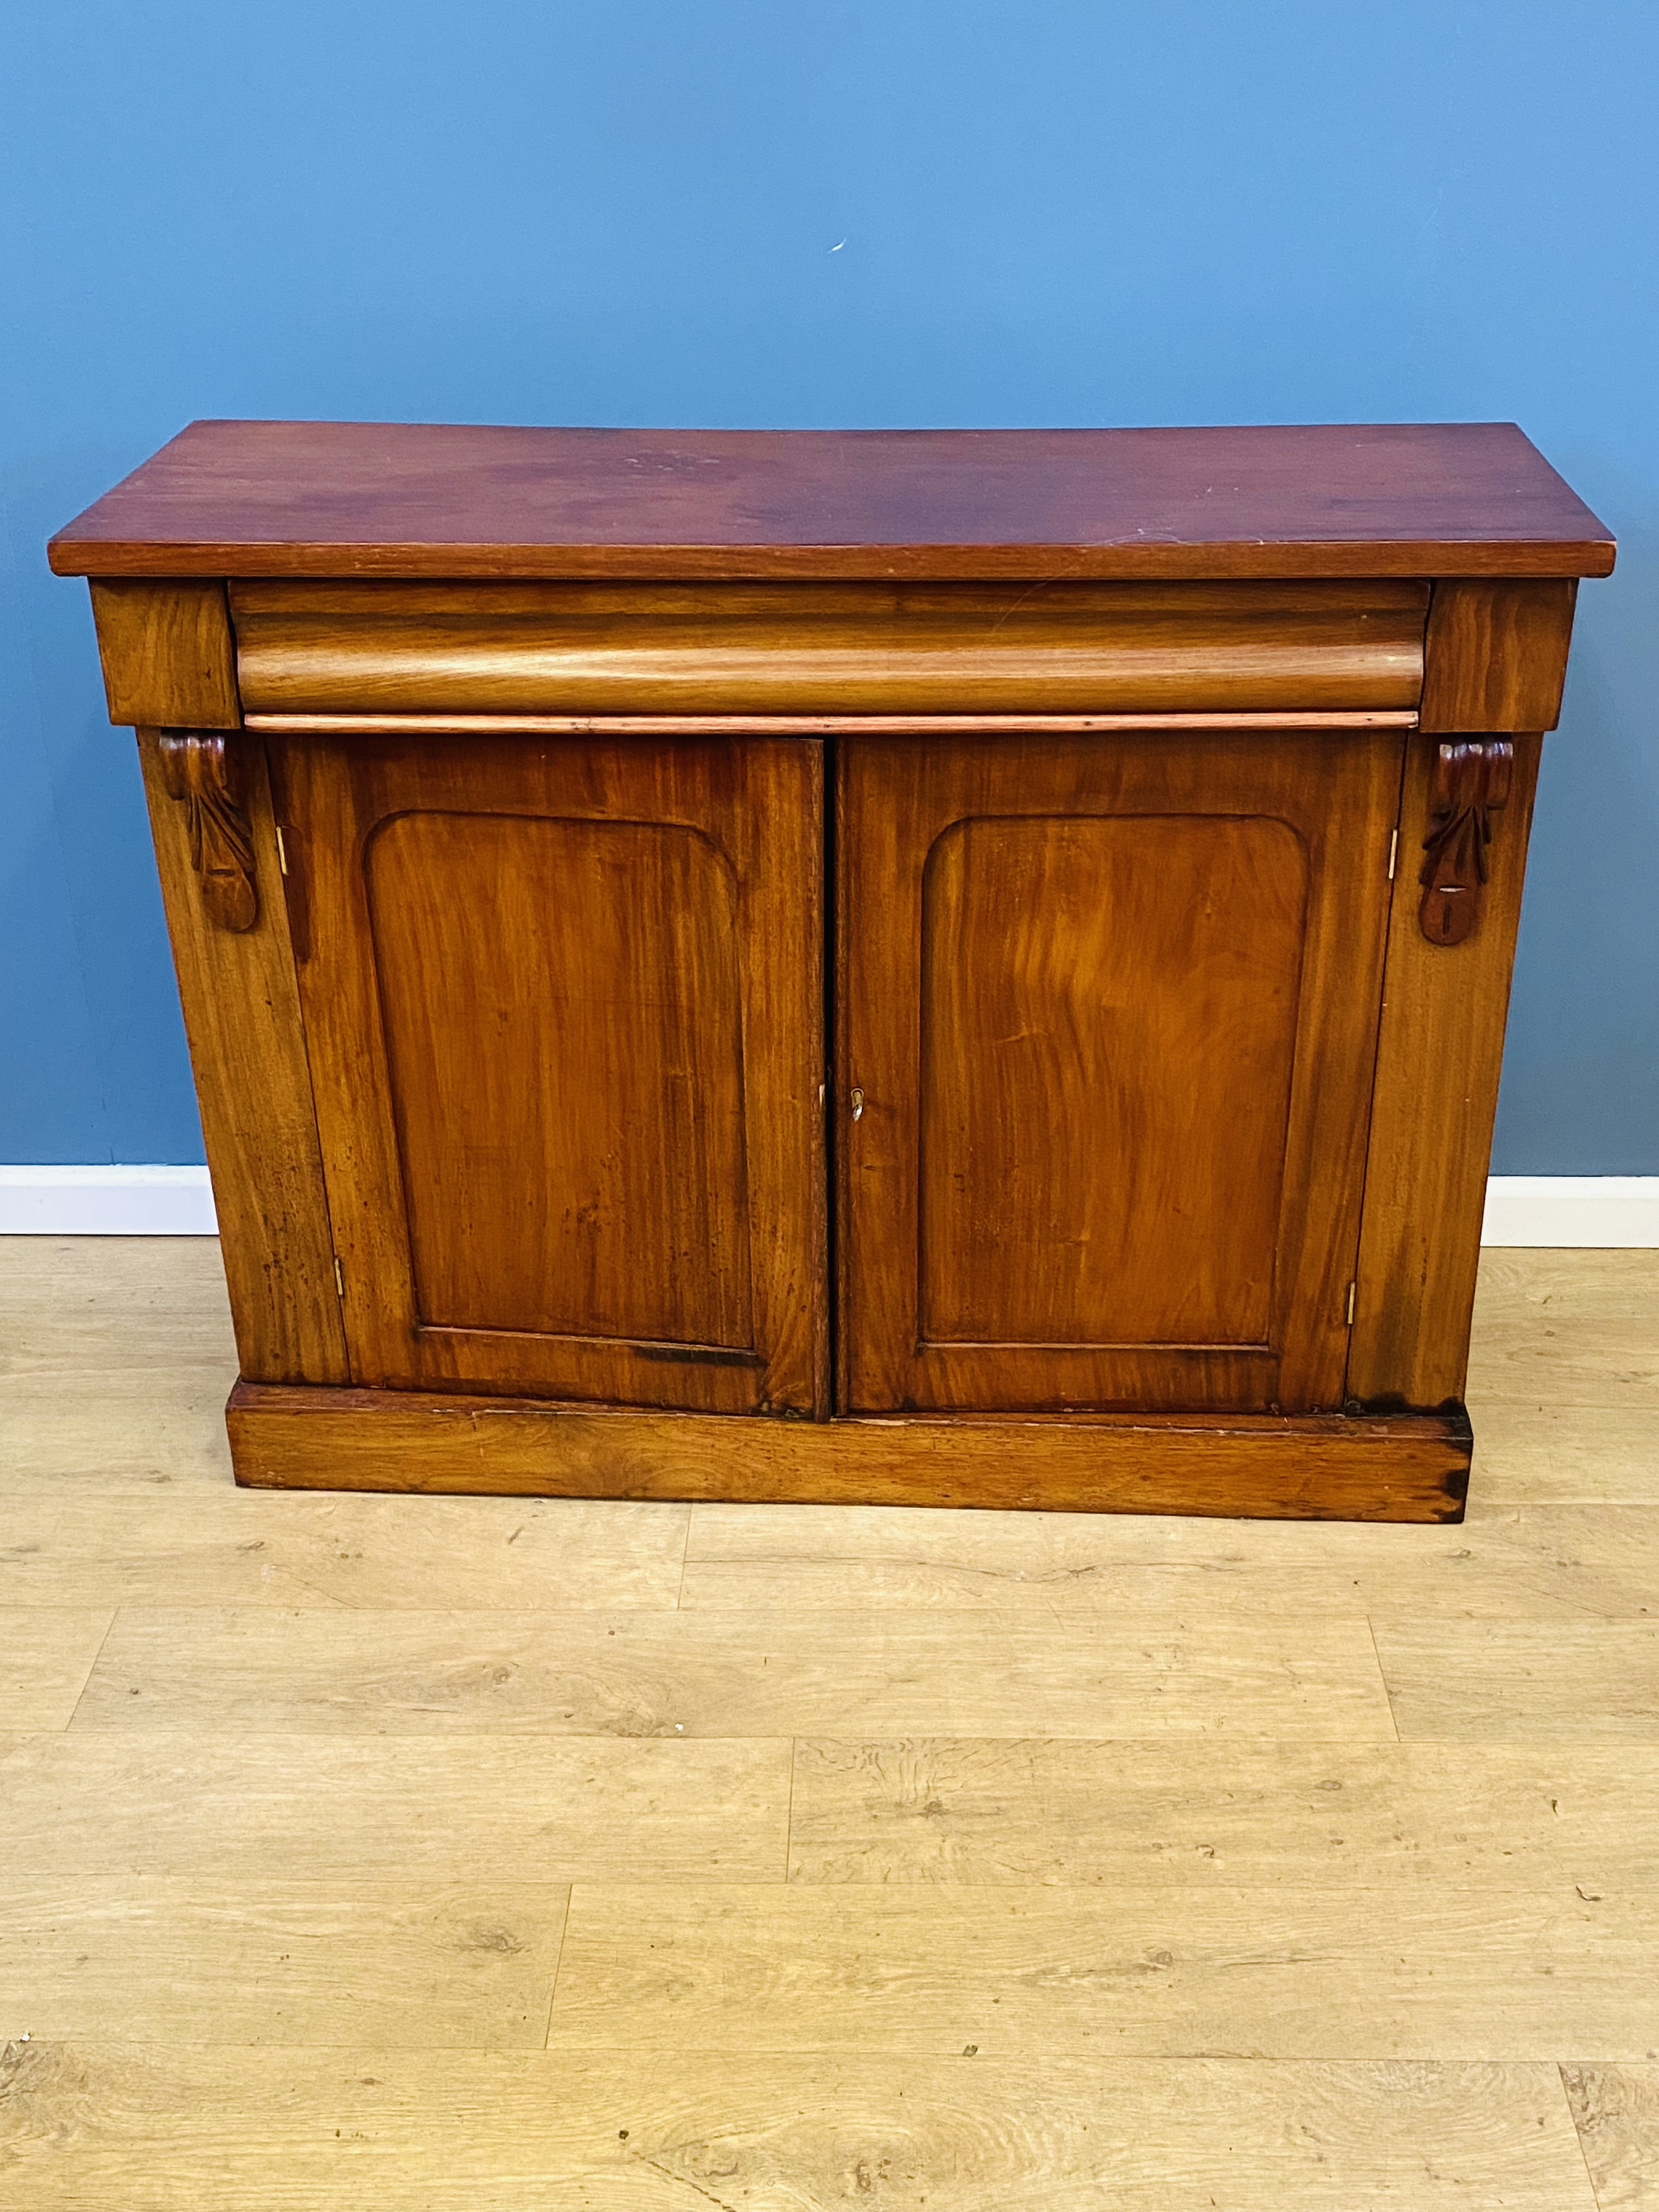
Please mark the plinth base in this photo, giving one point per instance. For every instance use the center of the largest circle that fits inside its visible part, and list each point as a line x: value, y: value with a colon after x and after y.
x: 1328, y: 1466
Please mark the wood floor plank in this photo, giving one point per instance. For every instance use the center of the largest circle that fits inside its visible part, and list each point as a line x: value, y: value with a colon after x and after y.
x: 1566, y: 1561
x: 1592, y: 1285
x: 45, y: 1656
x: 1001, y: 1810
x: 1616, y: 2109
x: 1528, y: 1452
x: 68, y: 1304
x: 1572, y: 1328
x: 1349, y: 1974
x: 1218, y: 1671
x: 161, y: 1427
x: 375, y: 1737
x: 431, y: 1966
x: 102, y: 2128
x: 241, y: 1547
x: 1616, y: 1367
x: 116, y: 1356
x: 290, y: 1808
x: 1522, y: 1682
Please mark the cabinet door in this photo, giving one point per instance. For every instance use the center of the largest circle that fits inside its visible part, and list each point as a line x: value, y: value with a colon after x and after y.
x: 1112, y: 1005
x: 563, y: 1006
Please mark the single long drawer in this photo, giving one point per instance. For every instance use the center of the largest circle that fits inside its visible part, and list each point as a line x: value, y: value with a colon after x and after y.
x: 795, y: 648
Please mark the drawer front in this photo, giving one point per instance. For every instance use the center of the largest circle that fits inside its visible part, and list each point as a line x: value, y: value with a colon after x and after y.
x: 552, y: 649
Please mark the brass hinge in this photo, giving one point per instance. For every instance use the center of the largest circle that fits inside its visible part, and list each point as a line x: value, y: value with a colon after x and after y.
x: 339, y: 1277
x: 1352, y: 1289
x: 1393, y: 851
x: 282, y: 853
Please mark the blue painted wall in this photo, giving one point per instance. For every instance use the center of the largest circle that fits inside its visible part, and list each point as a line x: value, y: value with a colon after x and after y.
x: 859, y: 212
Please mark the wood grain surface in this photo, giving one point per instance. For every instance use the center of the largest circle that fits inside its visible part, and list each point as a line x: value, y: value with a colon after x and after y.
x: 1617, y: 2112
x: 1191, y: 987
x: 821, y: 649
x: 1292, y: 1972
x: 167, y: 1800
x: 141, y: 2126
x: 816, y: 726
x: 70, y: 1543
x: 1573, y: 1334
x: 1413, y: 1468
x: 427, y: 1966
x: 168, y: 654
x: 242, y: 1019
x: 1032, y: 1810
x: 1572, y: 1561
x: 44, y: 1660
x: 289, y: 1927
x: 1496, y: 655
x: 1517, y: 1681
x: 1544, y: 1455
x: 352, y: 499
x: 564, y: 1010
x: 115, y: 1356
x: 644, y: 1674
x: 1440, y: 1051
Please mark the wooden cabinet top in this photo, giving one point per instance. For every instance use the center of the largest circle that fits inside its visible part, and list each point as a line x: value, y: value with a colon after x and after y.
x: 329, y: 500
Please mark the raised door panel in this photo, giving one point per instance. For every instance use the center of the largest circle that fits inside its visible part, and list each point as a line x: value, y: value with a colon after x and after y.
x: 563, y: 1003
x: 1155, y: 945
x: 617, y: 1067
x: 1111, y: 1009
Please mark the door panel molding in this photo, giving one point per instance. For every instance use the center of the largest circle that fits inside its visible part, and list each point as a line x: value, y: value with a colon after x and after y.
x: 985, y: 1245
x: 1127, y: 1170
x: 565, y: 1003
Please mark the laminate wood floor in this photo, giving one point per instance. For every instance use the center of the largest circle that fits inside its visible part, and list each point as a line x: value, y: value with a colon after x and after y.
x: 438, y: 1854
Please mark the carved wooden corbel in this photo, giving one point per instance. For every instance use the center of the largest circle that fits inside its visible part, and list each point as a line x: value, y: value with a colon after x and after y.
x: 1471, y: 783
x: 203, y: 771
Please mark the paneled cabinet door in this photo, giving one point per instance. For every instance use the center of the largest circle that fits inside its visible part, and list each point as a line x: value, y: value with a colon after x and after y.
x: 1109, y: 1022
x: 563, y: 1006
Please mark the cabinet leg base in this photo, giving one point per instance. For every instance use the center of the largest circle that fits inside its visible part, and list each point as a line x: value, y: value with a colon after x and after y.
x: 1402, y: 1466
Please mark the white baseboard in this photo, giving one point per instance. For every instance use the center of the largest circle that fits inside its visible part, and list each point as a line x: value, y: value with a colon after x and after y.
x: 1563, y: 1210
x: 164, y: 1201
x: 97, y: 1201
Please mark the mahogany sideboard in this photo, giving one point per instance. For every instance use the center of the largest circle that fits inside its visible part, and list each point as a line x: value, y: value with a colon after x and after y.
x: 958, y: 968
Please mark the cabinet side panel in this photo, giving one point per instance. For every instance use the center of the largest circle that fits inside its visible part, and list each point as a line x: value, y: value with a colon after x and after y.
x: 167, y: 653
x: 1440, y: 1052
x: 247, y: 1047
